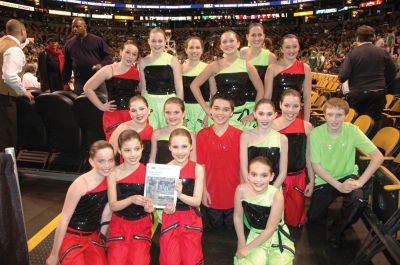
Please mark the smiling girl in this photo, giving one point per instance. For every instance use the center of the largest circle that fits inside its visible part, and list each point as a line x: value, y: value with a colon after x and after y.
x: 161, y: 77
x: 258, y: 56
x: 297, y: 132
x: 77, y: 238
x: 191, y: 68
x: 262, y: 205
x: 287, y: 73
x: 264, y: 141
x: 174, y: 112
x: 182, y: 228
x: 231, y: 74
x: 129, y: 238
x: 139, y: 112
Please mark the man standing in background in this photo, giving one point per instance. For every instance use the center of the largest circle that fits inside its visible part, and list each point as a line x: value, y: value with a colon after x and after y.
x: 369, y: 70
x: 85, y: 53
x: 12, y: 61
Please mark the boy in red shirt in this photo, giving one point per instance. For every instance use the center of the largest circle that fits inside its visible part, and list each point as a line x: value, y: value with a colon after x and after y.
x: 218, y: 151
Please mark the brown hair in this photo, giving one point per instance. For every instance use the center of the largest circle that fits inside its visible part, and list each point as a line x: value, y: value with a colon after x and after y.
x: 180, y: 132
x: 253, y: 25
x: 234, y: 33
x: 138, y: 98
x: 177, y: 101
x: 98, y: 145
x: 365, y: 33
x: 264, y: 101
x: 128, y: 42
x: 289, y: 36
x: 186, y: 44
x: 128, y: 135
x: 223, y: 97
x: 263, y: 160
x: 290, y: 92
x: 158, y: 30
x: 337, y: 103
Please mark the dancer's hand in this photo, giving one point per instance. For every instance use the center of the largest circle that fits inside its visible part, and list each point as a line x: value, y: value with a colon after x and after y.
x: 241, y: 253
x: 148, y: 206
x: 138, y: 200
x: 247, y: 119
x: 179, y: 187
x: 206, y: 199
x: 308, y: 191
x: 169, y: 209
x: 109, y: 106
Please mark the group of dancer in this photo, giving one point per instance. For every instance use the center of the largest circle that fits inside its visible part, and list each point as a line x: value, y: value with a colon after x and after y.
x: 237, y: 130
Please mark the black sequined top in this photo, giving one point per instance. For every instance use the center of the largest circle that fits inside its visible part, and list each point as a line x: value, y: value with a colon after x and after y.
x: 88, y: 211
x: 256, y: 215
x: 121, y: 88
x: 291, y: 78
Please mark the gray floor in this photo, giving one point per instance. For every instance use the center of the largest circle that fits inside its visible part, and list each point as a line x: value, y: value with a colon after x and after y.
x: 43, y: 199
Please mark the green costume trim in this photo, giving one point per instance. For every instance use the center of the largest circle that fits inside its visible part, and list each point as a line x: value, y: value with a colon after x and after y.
x: 272, y: 139
x: 196, y: 70
x: 163, y: 59
x: 238, y: 66
x: 238, y: 114
x: 261, y: 59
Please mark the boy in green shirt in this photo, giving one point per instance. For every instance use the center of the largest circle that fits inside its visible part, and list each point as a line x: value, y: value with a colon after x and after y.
x: 332, y: 154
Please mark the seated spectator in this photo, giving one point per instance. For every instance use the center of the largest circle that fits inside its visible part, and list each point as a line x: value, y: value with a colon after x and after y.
x: 29, y: 80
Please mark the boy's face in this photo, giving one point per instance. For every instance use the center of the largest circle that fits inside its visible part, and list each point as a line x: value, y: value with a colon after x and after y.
x: 334, y: 118
x: 221, y: 111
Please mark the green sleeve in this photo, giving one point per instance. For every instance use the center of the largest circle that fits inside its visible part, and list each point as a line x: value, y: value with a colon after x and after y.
x: 361, y: 141
x: 315, y: 152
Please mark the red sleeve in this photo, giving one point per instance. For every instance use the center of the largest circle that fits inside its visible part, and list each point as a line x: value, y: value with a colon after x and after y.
x: 200, y: 148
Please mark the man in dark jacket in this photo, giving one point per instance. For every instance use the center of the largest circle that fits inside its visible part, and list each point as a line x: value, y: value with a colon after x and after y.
x: 85, y: 53
x: 369, y: 70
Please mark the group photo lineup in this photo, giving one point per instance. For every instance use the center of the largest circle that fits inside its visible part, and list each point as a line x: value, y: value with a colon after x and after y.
x: 212, y: 132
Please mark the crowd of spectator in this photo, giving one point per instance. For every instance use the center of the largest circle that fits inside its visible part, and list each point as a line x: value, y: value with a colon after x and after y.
x: 323, y: 45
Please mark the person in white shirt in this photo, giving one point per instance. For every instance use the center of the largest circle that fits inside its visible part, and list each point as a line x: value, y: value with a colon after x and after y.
x: 12, y: 61
x: 29, y: 80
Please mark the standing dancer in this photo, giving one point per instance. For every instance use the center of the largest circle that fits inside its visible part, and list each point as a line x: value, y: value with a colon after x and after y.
x: 122, y: 81
x: 161, y: 77
x: 191, y: 68
x: 266, y: 142
x: 287, y: 73
x: 297, y: 132
x: 182, y: 228
x: 258, y: 56
x: 231, y: 75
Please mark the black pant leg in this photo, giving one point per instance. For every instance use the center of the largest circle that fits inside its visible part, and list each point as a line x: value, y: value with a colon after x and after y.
x: 213, y: 218
x: 322, y: 197
x: 8, y: 122
x: 228, y: 219
x: 352, y: 208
